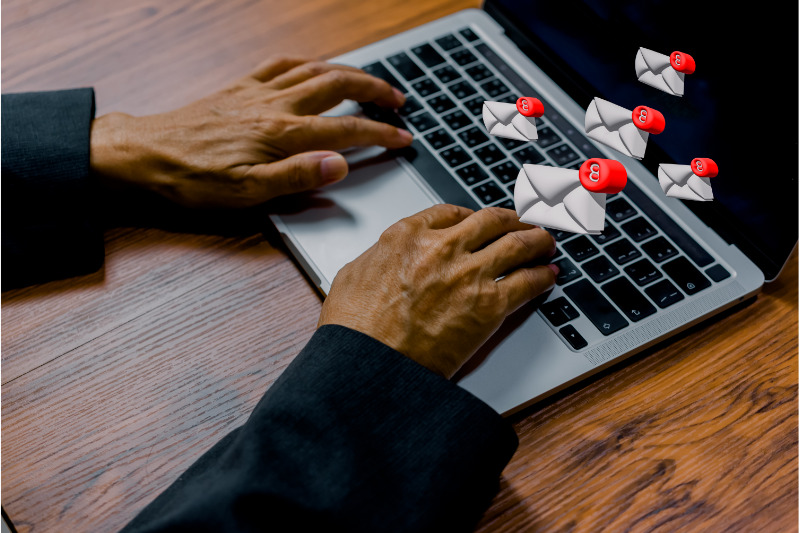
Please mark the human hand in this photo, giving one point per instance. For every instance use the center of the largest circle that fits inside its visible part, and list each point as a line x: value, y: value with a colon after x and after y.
x: 257, y: 139
x: 427, y: 288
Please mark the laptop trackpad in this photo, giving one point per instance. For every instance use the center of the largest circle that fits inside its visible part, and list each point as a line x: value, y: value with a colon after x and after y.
x: 341, y: 221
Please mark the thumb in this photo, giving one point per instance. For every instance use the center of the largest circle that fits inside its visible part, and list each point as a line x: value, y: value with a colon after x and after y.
x: 301, y: 172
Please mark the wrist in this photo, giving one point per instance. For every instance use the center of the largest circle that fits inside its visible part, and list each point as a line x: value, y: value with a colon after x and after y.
x: 115, y: 157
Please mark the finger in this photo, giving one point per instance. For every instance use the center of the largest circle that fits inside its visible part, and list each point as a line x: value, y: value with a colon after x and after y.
x: 525, y: 284
x: 297, y: 173
x: 325, y: 91
x: 442, y: 216
x: 305, y: 72
x: 487, y: 225
x: 514, y: 249
x: 275, y: 66
x: 337, y: 133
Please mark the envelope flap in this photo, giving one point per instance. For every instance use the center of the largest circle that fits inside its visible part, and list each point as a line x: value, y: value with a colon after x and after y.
x: 587, y: 208
x: 551, y: 183
x: 612, y: 115
x: 655, y: 62
x: 504, y: 112
x: 524, y: 195
x: 677, y: 174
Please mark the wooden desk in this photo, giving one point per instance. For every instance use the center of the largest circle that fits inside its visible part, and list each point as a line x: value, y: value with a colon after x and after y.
x: 114, y: 383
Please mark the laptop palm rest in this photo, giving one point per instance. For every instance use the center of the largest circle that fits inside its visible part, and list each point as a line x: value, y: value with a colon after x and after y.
x: 339, y: 222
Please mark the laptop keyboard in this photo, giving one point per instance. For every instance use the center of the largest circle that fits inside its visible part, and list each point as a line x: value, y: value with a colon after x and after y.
x: 642, y: 262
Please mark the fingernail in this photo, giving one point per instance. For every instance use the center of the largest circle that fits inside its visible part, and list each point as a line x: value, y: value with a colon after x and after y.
x: 405, y: 135
x: 333, y: 168
x: 554, y: 268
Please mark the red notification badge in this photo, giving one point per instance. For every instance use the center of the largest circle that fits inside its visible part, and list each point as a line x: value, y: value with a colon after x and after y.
x: 530, y: 107
x: 603, y: 175
x: 682, y: 62
x: 648, y: 119
x: 704, y: 167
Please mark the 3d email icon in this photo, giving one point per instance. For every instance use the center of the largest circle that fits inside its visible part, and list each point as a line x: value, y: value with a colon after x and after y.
x: 554, y: 198
x: 688, y: 182
x: 620, y: 128
x: 513, y: 121
x: 664, y: 72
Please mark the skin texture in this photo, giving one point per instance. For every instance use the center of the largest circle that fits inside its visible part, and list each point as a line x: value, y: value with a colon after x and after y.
x: 259, y: 138
x: 428, y: 287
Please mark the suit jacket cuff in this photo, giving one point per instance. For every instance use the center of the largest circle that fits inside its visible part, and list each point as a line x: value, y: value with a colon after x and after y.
x: 49, y: 227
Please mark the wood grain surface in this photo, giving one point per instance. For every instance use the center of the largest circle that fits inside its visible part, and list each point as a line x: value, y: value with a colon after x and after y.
x: 115, y: 382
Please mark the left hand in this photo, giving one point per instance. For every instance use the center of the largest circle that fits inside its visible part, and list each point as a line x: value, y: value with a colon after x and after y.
x: 255, y: 140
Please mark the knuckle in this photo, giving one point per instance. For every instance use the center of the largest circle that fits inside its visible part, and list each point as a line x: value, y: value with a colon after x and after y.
x: 297, y: 177
x: 337, y: 79
x: 316, y: 68
x: 493, y: 214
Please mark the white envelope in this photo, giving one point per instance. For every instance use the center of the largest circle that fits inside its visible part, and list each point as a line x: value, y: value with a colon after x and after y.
x: 503, y: 120
x: 613, y: 126
x: 678, y: 181
x: 554, y: 198
x: 655, y: 70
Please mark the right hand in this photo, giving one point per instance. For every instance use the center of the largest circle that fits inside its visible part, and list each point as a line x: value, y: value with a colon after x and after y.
x: 427, y: 288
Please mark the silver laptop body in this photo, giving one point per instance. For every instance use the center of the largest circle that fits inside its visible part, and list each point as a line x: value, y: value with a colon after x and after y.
x: 529, y: 358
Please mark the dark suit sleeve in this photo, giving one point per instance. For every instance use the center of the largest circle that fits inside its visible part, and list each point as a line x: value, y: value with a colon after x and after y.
x: 48, y: 210
x: 352, y: 437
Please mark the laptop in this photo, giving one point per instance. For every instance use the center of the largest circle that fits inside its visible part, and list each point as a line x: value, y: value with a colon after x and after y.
x: 661, y: 265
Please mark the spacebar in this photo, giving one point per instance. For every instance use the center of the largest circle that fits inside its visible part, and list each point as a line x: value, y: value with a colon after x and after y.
x: 596, y: 307
x: 437, y: 176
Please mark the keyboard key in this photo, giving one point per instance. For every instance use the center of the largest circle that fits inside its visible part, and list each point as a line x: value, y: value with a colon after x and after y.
x: 595, y: 306
x: 447, y: 74
x: 423, y: 122
x: 405, y: 66
x: 609, y: 234
x: 600, y: 269
x: 664, y: 293
x: 494, y: 88
x: 457, y: 120
x: 489, y: 155
x: 639, y: 229
x: 380, y: 71
x: 441, y: 103
x: 659, y: 249
x: 428, y: 55
x: 479, y: 72
x: 448, y: 42
x: 455, y: 156
x: 411, y: 106
x: 382, y: 114
x: 439, y: 139
x: 474, y: 136
x: 512, y: 99
x: 686, y: 276
x: 463, y: 57
x: 622, y: 251
x: 548, y: 137
x: 472, y: 174
x: 580, y: 248
x: 643, y: 272
x: 462, y: 89
x: 506, y: 171
x: 468, y: 34
x: 528, y: 156
x: 560, y: 235
x: 562, y: 154
x: 508, y: 204
x: 426, y: 87
x: 567, y: 271
x: 488, y: 193
x: 474, y: 106
x: 620, y: 210
x: 559, y: 311
x: 573, y: 337
x: 718, y: 273
x: 628, y: 299
x: 510, y: 144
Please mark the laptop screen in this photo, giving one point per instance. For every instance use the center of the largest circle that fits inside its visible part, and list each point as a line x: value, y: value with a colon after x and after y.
x: 740, y: 106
